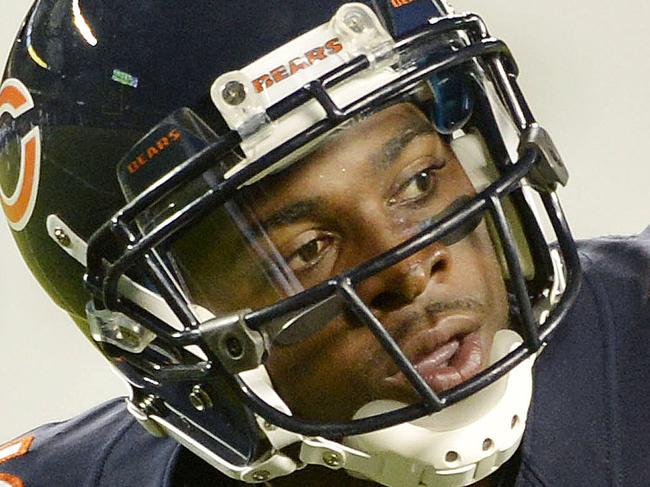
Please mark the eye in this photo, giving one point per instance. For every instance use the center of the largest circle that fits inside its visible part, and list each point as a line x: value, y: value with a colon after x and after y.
x: 416, y: 188
x: 316, y: 246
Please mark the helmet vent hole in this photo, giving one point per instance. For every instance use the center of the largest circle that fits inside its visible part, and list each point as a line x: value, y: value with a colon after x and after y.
x: 515, y: 422
x: 487, y: 444
x: 452, y: 457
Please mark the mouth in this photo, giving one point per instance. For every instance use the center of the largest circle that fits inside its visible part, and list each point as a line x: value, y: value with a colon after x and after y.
x: 446, y: 355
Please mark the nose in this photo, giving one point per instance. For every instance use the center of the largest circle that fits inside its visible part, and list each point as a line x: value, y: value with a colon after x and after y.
x: 402, y: 283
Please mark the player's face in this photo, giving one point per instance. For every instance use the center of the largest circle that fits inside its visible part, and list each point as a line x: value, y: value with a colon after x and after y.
x: 369, y: 189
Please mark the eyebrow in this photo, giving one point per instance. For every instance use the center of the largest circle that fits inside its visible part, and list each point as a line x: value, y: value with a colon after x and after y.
x: 392, y: 148
x: 383, y: 158
x: 292, y: 213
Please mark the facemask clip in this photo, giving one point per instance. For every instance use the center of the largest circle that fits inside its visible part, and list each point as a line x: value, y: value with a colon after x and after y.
x: 241, y: 106
x: 549, y: 169
x: 238, y: 347
x: 362, y: 33
x: 117, y: 329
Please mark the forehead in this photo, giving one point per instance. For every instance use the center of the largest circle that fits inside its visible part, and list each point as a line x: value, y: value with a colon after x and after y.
x: 362, y: 142
x: 362, y: 156
x: 371, y: 131
x: 354, y: 140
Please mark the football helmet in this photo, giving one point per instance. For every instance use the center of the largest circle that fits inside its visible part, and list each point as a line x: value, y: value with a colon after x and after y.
x: 304, y: 232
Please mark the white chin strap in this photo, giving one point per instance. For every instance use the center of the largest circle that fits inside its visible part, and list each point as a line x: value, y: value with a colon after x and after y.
x: 460, y: 445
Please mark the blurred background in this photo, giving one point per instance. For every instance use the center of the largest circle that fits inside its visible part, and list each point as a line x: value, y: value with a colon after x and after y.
x: 585, y: 73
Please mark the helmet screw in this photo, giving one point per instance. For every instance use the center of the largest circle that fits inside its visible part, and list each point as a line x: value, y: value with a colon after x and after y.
x: 268, y: 426
x: 200, y: 399
x: 356, y: 22
x: 234, y: 347
x: 261, y: 476
x: 234, y: 93
x: 332, y: 459
x: 62, y: 238
x: 148, y: 404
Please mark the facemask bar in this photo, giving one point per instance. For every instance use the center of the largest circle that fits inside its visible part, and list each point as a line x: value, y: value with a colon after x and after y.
x: 104, y: 276
x: 490, y: 200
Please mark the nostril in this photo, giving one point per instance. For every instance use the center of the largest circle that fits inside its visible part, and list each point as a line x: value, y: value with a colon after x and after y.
x: 439, y: 265
x: 388, y: 301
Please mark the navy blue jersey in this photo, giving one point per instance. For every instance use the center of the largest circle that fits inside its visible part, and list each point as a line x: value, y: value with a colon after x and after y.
x: 589, y: 422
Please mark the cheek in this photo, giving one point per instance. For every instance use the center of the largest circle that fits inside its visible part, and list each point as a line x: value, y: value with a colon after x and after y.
x: 482, y: 280
x: 323, y: 376
x: 480, y: 269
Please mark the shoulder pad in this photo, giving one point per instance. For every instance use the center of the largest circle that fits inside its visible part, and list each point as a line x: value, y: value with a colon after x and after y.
x: 100, y: 448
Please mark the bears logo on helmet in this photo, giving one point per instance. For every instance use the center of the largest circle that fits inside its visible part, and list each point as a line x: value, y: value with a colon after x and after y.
x: 16, y: 100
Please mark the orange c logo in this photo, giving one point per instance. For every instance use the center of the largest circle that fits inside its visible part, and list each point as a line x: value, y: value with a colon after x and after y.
x: 16, y: 100
x: 10, y: 481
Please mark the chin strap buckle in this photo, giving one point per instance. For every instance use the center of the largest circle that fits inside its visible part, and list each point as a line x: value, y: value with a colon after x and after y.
x: 108, y: 326
x: 149, y: 413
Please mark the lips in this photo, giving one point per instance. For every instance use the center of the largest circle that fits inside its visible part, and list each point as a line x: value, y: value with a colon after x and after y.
x: 446, y: 355
x: 463, y: 360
